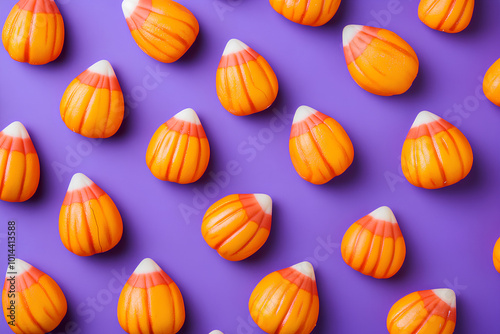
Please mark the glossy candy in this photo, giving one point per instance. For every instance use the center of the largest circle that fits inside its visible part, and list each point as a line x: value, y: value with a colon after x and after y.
x: 435, y: 153
x: 424, y: 312
x: 245, y: 81
x: 34, y: 32
x: 286, y: 301
x: 150, y: 302
x: 179, y: 150
x: 93, y: 104
x: 378, y: 60
x: 496, y: 255
x: 19, y: 165
x: 374, y: 245
x: 89, y: 222
x: 446, y: 15
x: 320, y: 148
x: 238, y: 225
x: 163, y: 29
x: 307, y: 12
x: 491, y: 83
x: 40, y: 304
x: 216, y: 332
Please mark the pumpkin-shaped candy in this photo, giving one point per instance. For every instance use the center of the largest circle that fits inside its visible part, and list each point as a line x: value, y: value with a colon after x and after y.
x: 491, y: 83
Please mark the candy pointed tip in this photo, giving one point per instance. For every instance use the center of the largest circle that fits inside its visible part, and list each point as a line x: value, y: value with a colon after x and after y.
x: 102, y: 67
x: 446, y: 295
x: 188, y: 115
x: 79, y: 181
x: 16, y: 130
x: 234, y: 46
x: 302, y: 113
x: 128, y: 7
x: 147, y: 266
x: 216, y: 332
x: 265, y: 202
x: 305, y: 268
x: 384, y: 213
x: 425, y: 117
x: 19, y: 268
x: 349, y: 32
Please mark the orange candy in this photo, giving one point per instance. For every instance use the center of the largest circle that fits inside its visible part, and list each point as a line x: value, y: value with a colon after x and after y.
x: 93, y: 104
x: 435, y: 153
x: 34, y: 32
x: 39, y: 303
x: 446, y: 15
x: 19, y: 165
x: 150, y: 302
x: 163, y: 29
x: 89, y: 222
x: 378, y: 60
x: 286, y: 301
x: 496, y: 255
x: 245, y: 81
x: 307, y: 12
x: 491, y: 83
x: 424, y: 312
x: 238, y: 225
x: 320, y: 148
x: 179, y: 150
x: 374, y: 245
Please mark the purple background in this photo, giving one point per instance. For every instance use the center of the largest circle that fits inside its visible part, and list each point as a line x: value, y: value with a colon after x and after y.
x: 449, y: 233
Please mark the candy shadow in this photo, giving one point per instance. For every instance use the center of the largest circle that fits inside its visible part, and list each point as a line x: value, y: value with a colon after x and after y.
x: 327, y: 315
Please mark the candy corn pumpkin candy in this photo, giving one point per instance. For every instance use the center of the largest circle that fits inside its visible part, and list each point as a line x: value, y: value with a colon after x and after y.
x: 163, y: 29
x: 34, y: 32
x: 238, y: 225
x: 32, y: 302
x: 378, y: 60
x: 93, y: 104
x: 286, y: 301
x: 491, y: 83
x: 450, y: 16
x: 320, y: 148
x: 89, y: 222
x: 435, y: 153
x: 179, y: 150
x: 496, y: 255
x: 245, y: 81
x: 19, y: 164
x: 307, y: 12
x: 374, y: 245
x: 424, y: 312
x: 150, y: 302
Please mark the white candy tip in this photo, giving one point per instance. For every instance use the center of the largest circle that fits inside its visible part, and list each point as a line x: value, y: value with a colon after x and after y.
x: 349, y: 32
x: 305, y: 268
x: 384, y: 213
x: 265, y: 202
x: 188, y: 115
x: 302, y: 113
x: 16, y: 130
x: 20, y: 267
x: 216, y: 332
x: 447, y: 296
x: 102, y: 67
x: 233, y: 46
x: 425, y: 117
x: 79, y: 181
x: 128, y: 7
x: 147, y: 266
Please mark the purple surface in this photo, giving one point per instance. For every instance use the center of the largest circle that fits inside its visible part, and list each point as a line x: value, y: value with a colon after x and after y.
x: 449, y: 233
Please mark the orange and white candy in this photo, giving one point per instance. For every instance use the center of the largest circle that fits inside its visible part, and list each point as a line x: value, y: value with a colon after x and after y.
x: 89, y: 222
x: 307, y: 12
x: 32, y: 302
x: 424, y: 312
x: 320, y: 148
x: 374, y: 244
x: 163, y: 29
x: 496, y: 255
x: 34, y: 32
x: 179, y: 150
x: 245, y: 81
x: 19, y: 164
x: 237, y: 226
x: 93, y: 104
x: 150, y: 302
x: 435, y: 153
x: 378, y: 60
x: 286, y: 301
x: 450, y: 16
x: 491, y: 83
